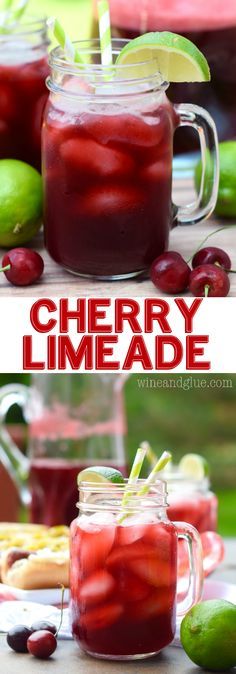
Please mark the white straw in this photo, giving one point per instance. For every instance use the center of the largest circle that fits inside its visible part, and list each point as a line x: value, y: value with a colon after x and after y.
x: 105, y: 32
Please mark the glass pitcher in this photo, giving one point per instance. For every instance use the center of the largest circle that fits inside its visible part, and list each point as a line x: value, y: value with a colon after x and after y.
x: 74, y: 421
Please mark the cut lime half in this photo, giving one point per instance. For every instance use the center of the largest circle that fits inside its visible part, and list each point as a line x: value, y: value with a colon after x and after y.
x: 174, y: 56
x: 99, y: 474
x: 194, y: 466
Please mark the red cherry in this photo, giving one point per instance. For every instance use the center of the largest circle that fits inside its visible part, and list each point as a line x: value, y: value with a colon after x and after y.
x: 212, y: 255
x: 22, y: 266
x: 208, y: 280
x: 42, y: 644
x: 43, y: 625
x: 170, y: 273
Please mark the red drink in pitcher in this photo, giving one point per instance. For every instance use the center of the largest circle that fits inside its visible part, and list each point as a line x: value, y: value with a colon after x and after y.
x: 212, y: 27
x: 23, y: 94
x: 124, y: 571
x: 75, y: 421
x: 63, y: 442
x: 54, y: 490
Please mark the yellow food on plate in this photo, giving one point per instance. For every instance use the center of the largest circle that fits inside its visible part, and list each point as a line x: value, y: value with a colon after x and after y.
x: 34, y: 556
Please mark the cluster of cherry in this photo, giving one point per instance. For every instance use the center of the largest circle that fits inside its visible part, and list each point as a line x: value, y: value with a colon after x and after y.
x: 39, y: 640
x: 207, y: 278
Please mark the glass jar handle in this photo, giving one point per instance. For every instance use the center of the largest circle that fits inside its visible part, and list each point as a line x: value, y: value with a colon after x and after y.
x: 192, y: 538
x: 16, y: 464
x: 204, y: 204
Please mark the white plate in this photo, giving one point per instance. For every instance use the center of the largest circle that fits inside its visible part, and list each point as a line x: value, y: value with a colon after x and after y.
x: 50, y: 596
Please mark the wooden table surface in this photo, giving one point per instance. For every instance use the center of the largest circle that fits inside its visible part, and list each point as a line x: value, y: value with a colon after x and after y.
x: 68, y: 657
x: 57, y: 282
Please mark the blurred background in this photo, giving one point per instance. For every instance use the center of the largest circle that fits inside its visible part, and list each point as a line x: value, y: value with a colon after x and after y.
x: 76, y: 15
x: 179, y: 412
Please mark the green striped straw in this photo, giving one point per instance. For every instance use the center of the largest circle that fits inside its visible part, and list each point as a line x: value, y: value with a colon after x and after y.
x: 160, y: 465
x: 105, y: 32
x: 134, y: 475
x: 71, y: 53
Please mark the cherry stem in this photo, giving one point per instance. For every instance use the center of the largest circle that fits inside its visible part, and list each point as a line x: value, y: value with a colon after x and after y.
x: 221, y: 229
x: 227, y: 271
x: 8, y: 266
x: 62, y: 608
x: 206, y: 290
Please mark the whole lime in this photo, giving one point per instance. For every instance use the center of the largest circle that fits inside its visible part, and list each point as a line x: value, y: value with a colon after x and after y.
x: 208, y: 634
x: 226, y: 201
x: 20, y: 202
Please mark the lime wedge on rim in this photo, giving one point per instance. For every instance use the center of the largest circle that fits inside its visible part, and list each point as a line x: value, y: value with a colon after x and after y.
x: 176, y: 57
x: 99, y: 474
x: 195, y: 466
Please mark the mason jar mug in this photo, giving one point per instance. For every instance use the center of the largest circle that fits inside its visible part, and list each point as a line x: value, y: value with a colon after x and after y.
x: 107, y: 164
x: 193, y: 501
x: 123, y: 578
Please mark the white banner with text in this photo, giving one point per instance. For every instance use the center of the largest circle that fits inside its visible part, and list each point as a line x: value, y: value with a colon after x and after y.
x: 122, y: 334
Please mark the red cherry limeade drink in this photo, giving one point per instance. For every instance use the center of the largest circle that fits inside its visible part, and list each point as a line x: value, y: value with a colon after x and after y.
x: 212, y: 27
x: 199, y: 510
x: 123, y: 584
x: 54, y: 490
x: 61, y: 447
x: 107, y: 181
x: 23, y: 95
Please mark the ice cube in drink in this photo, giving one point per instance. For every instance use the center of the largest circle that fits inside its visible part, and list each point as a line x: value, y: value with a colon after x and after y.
x: 123, y: 602
x: 108, y: 178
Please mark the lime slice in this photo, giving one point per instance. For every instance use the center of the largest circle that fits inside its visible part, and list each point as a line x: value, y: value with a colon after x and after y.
x: 100, y: 474
x: 194, y: 465
x: 175, y: 57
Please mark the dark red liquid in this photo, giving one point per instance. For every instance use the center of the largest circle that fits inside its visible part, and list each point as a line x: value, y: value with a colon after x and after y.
x: 54, y: 491
x: 23, y: 96
x: 107, y: 181
x: 199, y: 510
x: 123, y: 587
x: 217, y: 96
